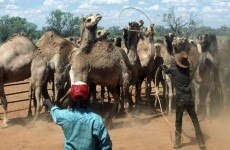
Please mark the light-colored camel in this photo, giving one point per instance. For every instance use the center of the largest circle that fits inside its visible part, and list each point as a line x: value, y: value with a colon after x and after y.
x: 101, y: 63
x: 131, y: 39
x: 146, y: 53
x: 15, y: 61
x: 164, y: 53
x: 53, y: 61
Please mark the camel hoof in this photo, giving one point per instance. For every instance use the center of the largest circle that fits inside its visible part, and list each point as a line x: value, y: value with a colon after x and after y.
x: 4, y: 125
x: 29, y: 115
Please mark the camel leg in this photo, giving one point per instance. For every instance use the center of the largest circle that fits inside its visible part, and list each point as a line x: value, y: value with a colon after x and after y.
x: 208, y: 102
x: 109, y: 98
x: 4, y: 106
x: 196, y: 94
x: 3, y: 100
x: 102, y: 94
x: 148, y: 90
x: 30, y: 101
x: 138, y: 92
x: 109, y: 115
x: 129, y: 102
x: 170, y: 95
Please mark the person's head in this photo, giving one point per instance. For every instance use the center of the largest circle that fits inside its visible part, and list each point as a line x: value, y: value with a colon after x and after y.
x: 79, y: 95
x: 182, y: 59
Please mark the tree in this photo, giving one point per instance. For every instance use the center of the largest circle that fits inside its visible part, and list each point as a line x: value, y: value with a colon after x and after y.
x: 12, y: 25
x: 64, y: 22
x: 179, y: 25
x: 115, y: 30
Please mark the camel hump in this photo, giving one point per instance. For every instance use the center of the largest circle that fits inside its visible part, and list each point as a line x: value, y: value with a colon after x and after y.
x: 18, y: 40
x: 50, y: 43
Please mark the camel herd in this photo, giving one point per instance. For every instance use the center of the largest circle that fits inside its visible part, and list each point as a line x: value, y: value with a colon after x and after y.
x: 119, y: 66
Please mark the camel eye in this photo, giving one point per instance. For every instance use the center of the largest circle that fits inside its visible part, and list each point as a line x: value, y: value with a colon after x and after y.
x: 99, y: 33
x: 88, y: 20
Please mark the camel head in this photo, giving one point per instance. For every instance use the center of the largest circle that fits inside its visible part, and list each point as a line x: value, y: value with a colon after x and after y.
x: 181, y: 44
x: 149, y: 31
x: 117, y: 41
x: 90, y: 22
x: 131, y: 34
x: 208, y: 42
x: 169, y: 39
x: 102, y: 34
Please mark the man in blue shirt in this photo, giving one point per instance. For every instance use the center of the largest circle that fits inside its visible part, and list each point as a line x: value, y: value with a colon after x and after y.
x: 179, y: 69
x: 83, y: 129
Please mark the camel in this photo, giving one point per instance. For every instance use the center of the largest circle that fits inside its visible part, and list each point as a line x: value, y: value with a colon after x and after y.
x: 224, y: 72
x: 146, y: 53
x: 164, y: 52
x: 76, y: 40
x: 16, y: 56
x: 102, y: 35
x: 53, y: 61
x: 101, y: 63
x: 131, y: 39
x: 207, y: 73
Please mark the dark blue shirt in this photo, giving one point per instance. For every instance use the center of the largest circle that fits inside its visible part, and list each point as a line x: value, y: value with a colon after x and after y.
x: 180, y: 79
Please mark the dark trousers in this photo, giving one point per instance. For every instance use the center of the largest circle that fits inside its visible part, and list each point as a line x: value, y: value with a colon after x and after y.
x: 189, y: 105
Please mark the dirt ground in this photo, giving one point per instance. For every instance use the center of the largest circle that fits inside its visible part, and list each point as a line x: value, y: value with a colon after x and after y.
x: 141, y: 130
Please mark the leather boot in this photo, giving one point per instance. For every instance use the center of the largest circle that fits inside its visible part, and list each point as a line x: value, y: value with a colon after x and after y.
x: 177, y: 141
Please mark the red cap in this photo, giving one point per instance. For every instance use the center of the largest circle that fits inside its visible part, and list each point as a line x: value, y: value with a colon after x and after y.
x: 79, y: 89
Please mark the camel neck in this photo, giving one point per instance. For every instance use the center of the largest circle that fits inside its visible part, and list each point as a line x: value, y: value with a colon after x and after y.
x: 151, y: 46
x: 88, y: 38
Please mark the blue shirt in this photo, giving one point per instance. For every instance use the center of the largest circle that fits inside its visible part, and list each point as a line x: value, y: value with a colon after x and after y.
x: 83, y: 129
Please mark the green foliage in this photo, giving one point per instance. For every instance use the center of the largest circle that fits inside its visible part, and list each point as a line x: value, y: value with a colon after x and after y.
x: 115, y: 31
x: 64, y: 23
x: 12, y: 25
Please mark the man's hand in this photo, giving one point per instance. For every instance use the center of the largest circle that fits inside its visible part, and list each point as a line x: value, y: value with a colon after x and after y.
x: 48, y: 103
x: 163, y: 67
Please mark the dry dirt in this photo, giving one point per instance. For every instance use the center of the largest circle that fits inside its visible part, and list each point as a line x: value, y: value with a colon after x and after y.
x: 142, y: 130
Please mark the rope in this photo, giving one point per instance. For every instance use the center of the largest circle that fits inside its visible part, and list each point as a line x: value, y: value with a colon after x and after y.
x: 139, y: 11
x: 162, y: 110
x: 134, y: 9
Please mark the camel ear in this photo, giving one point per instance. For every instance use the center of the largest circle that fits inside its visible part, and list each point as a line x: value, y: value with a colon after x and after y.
x: 84, y: 19
x: 141, y: 23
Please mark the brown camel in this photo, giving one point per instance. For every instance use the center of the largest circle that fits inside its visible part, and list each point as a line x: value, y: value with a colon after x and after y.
x: 146, y: 53
x: 53, y: 62
x: 131, y: 39
x: 208, y: 73
x: 16, y: 56
x: 101, y: 63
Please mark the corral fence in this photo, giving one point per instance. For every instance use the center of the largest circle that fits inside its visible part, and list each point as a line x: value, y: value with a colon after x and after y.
x: 17, y: 92
x: 22, y: 88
